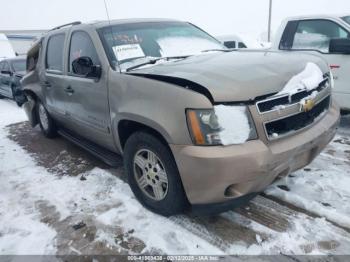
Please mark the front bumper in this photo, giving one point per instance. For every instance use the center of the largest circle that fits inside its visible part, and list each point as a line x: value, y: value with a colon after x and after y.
x: 216, y: 174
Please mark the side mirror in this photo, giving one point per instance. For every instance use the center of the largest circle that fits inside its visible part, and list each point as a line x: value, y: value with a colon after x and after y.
x: 6, y: 72
x: 85, y: 67
x: 339, y: 46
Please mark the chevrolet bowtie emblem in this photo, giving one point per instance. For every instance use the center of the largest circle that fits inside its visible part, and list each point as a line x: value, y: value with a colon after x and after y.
x: 308, y: 105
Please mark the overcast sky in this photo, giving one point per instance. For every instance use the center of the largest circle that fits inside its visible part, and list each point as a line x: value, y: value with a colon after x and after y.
x: 218, y: 17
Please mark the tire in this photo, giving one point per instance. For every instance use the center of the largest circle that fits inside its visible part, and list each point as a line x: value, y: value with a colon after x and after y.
x: 46, y: 123
x: 139, y: 146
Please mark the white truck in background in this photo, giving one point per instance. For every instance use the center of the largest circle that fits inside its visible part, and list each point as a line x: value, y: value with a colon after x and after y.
x: 327, y: 36
x: 6, y: 50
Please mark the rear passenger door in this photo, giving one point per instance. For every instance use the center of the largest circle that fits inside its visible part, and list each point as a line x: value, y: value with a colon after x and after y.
x: 54, y: 80
x: 314, y: 36
x: 88, y: 104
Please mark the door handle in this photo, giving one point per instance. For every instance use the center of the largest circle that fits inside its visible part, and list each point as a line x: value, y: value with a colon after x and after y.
x: 47, y: 84
x: 69, y: 90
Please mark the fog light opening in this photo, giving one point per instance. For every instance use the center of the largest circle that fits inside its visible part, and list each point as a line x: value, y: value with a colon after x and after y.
x: 232, y: 191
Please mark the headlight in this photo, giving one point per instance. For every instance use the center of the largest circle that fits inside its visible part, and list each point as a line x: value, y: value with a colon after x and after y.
x: 223, y: 125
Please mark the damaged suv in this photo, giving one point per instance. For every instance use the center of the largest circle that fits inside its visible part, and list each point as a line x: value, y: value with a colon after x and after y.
x: 200, y: 126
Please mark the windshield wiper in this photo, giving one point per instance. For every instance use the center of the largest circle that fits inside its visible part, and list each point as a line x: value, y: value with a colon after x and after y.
x: 153, y: 61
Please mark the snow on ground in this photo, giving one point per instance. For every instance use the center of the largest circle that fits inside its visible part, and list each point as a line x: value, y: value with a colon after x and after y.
x: 23, y: 184
x: 38, y: 209
x: 322, y: 187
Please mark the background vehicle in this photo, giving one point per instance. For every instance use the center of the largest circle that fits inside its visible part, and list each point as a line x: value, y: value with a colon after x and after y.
x: 232, y: 41
x: 6, y: 50
x: 326, y: 36
x: 11, y: 72
x: 193, y: 123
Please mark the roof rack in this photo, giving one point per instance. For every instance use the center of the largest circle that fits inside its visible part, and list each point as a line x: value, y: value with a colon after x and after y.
x: 69, y: 24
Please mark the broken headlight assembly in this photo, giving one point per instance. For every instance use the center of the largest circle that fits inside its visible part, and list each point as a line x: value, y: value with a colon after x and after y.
x: 222, y: 125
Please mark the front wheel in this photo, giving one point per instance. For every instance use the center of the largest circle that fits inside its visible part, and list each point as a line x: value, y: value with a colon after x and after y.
x: 153, y: 175
x: 47, y: 125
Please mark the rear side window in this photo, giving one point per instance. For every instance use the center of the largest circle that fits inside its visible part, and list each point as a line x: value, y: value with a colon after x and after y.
x: 241, y: 45
x: 54, y: 53
x: 6, y: 66
x: 33, y: 56
x: 230, y: 44
x: 82, y: 45
x: 316, y: 34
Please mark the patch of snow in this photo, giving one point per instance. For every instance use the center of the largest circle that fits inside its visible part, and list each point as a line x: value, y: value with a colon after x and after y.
x: 279, y: 107
x: 24, y: 183
x: 234, y: 123
x: 183, y: 46
x: 323, y: 187
x: 307, y: 79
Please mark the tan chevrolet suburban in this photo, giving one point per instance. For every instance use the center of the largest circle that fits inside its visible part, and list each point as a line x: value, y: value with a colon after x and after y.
x: 200, y: 126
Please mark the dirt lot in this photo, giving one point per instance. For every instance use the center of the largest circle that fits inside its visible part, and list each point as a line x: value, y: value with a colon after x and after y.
x: 272, y: 223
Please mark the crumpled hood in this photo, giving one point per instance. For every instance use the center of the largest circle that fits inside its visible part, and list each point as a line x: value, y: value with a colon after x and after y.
x: 237, y: 75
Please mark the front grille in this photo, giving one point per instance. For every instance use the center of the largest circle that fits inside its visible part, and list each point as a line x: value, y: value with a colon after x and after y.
x: 285, y: 100
x: 296, y: 122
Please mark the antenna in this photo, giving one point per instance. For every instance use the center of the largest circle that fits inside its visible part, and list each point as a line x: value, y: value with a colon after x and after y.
x: 109, y: 21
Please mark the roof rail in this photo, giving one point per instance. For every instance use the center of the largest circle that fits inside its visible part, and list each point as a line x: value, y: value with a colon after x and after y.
x: 69, y: 24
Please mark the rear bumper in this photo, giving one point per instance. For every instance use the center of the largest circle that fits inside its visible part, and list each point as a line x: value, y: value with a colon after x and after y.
x: 219, y: 174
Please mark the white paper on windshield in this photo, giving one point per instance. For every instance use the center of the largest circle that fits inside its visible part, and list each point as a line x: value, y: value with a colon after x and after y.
x: 124, y: 52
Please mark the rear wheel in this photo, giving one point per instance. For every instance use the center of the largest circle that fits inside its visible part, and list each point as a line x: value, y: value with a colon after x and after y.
x: 153, y: 175
x: 46, y: 123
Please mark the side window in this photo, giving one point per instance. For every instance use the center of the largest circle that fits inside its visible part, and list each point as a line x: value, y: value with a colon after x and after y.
x: 6, y: 66
x: 33, y: 56
x: 241, y: 45
x: 81, y: 45
x: 1, y: 65
x: 316, y: 34
x: 54, y: 53
x: 230, y: 44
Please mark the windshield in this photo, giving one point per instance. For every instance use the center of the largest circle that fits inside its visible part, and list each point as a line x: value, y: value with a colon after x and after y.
x: 19, y: 65
x: 132, y: 44
x: 346, y: 19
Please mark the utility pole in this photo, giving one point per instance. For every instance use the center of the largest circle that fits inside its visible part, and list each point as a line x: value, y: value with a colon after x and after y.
x: 269, y: 24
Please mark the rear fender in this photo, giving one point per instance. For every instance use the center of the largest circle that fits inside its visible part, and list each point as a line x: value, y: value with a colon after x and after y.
x: 29, y: 108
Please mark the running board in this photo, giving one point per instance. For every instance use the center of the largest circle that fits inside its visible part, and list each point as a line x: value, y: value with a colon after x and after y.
x: 110, y: 158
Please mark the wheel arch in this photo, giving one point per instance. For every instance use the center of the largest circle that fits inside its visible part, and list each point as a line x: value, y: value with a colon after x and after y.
x: 126, y: 127
x: 30, y: 106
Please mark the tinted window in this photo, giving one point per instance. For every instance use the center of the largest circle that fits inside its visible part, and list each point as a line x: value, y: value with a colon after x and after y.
x: 19, y: 65
x: 230, y: 44
x: 81, y: 45
x: 33, y: 56
x: 1, y: 65
x: 316, y: 34
x: 54, y: 55
x: 6, y: 67
x: 241, y: 45
x: 346, y: 19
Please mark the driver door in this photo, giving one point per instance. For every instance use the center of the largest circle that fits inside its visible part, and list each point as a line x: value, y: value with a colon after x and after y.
x: 88, y: 96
